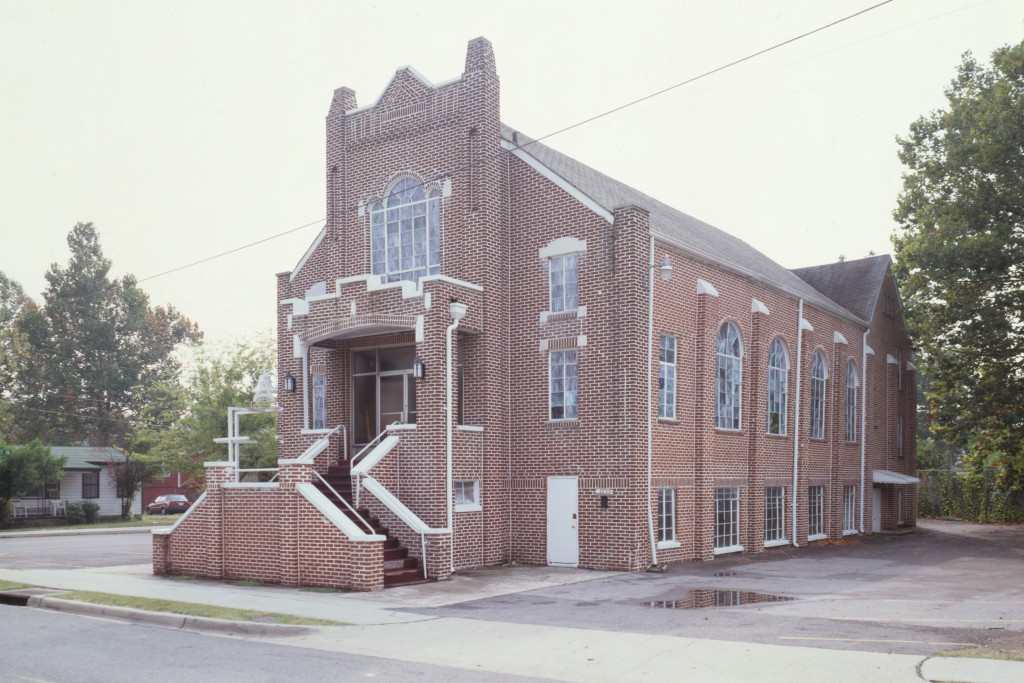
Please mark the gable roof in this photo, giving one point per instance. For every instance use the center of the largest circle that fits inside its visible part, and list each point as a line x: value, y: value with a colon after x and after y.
x: 700, y: 239
x: 86, y: 457
x: 852, y: 284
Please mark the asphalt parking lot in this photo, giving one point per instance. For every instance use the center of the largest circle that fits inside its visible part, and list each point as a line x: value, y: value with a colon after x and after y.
x: 947, y: 586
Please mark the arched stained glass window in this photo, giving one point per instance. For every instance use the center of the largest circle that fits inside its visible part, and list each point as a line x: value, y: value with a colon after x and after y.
x: 729, y: 378
x: 819, y: 374
x: 851, y: 402
x: 405, y: 233
x: 778, y: 387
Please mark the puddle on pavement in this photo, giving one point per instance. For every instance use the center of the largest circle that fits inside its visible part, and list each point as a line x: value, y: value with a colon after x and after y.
x: 701, y: 599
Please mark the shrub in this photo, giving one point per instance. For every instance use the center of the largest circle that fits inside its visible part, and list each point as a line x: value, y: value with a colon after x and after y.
x: 92, y: 512
x: 73, y: 513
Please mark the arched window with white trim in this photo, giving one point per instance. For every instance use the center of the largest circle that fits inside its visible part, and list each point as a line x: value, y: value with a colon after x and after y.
x: 819, y: 373
x: 729, y: 378
x: 850, y: 432
x: 778, y: 386
x: 405, y: 233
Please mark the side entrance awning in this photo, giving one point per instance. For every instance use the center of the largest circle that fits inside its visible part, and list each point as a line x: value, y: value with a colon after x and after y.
x: 888, y: 477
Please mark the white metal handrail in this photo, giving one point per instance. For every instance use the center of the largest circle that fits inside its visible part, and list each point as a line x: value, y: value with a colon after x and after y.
x: 368, y: 446
x: 347, y: 504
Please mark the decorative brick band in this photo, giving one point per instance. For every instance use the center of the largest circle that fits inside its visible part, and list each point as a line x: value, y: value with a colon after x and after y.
x: 604, y: 483
x: 677, y: 482
x: 531, y: 484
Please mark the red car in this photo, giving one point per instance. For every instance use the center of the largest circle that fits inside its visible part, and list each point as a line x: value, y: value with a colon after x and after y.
x: 168, y: 505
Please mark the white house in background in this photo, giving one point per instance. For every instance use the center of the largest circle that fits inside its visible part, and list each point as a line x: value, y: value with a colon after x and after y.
x: 87, y: 477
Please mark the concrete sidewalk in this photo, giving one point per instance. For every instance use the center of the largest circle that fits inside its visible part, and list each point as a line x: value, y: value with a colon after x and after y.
x: 14, y: 535
x: 382, y: 627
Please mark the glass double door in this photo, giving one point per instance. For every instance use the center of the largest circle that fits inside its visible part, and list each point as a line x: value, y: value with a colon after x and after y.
x: 383, y: 391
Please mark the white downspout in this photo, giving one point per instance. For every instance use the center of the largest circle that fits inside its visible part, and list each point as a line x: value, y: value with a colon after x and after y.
x: 863, y: 418
x: 456, y: 310
x: 796, y: 413
x: 650, y: 405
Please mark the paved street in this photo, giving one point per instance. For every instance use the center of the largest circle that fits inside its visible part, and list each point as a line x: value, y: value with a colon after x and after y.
x: 872, y: 608
x: 75, y: 552
x: 43, y: 647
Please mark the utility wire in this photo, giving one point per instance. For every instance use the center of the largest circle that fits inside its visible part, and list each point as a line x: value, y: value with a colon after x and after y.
x: 65, y: 413
x: 578, y: 124
x: 231, y: 251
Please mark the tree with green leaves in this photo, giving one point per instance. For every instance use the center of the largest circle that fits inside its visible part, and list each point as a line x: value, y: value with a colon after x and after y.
x: 960, y: 260
x: 23, y: 470
x: 12, y: 303
x: 218, y: 379
x: 94, y: 351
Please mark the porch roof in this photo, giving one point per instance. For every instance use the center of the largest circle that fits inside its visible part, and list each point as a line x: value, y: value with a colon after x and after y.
x: 364, y: 325
x: 889, y: 477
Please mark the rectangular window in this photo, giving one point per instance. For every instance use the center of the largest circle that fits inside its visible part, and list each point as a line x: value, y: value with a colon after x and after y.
x: 91, y: 484
x: 563, y: 385
x: 849, y: 509
x: 667, y: 377
x: 319, y: 400
x: 727, y: 519
x: 899, y: 369
x: 899, y: 436
x: 666, y: 516
x: 899, y: 506
x: 564, y: 281
x: 774, y: 514
x: 817, y: 407
x: 815, y: 507
x: 467, y: 495
x: 850, y: 432
x: 52, y: 490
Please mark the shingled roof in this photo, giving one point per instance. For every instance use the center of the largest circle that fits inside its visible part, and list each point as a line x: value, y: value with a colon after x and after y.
x: 854, y: 285
x: 86, y: 457
x: 698, y: 238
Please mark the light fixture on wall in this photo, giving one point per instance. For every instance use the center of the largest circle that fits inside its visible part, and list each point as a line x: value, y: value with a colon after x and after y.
x: 289, y: 382
x: 418, y: 368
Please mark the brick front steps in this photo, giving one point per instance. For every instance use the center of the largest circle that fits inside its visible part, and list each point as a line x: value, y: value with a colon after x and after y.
x: 399, y: 568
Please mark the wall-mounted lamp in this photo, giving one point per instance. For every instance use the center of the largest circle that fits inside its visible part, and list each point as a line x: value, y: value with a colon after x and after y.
x: 289, y: 382
x: 665, y: 268
x: 418, y: 368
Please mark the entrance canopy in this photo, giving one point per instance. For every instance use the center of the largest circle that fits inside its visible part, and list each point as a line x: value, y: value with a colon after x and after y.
x: 360, y: 326
x: 889, y: 477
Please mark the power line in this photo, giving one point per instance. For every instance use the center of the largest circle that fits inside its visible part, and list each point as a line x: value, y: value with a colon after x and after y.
x: 231, y: 251
x: 578, y: 124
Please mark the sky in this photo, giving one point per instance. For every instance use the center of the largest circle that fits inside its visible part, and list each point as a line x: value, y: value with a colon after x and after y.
x: 184, y: 130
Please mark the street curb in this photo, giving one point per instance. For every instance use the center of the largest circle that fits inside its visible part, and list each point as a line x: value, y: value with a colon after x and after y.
x: 167, y: 619
x: 78, y: 532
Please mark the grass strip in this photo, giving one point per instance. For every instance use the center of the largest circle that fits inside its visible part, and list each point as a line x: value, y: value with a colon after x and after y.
x: 193, y: 609
x: 13, y: 585
x: 982, y: 654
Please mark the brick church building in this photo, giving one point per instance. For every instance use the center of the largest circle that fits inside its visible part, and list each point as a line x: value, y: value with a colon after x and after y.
x: 493, y: 353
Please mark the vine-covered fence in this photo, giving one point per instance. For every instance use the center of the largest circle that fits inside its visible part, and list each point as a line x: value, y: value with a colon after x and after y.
x: 957, y: 495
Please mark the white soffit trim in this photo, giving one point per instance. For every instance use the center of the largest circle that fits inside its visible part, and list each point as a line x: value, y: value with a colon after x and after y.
x: 868, y: 350
x: 561, y: 246
x: 758, y: 307
x: 559, y: 181
x: 888, y: 477
x: 838, y: 338
x: 806, y: 325
x: 309, y: 252
x: 891, y: 360
x: 705, y: 287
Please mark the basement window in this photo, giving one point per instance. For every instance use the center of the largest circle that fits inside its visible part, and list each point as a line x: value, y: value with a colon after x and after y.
x: 467, y: 495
